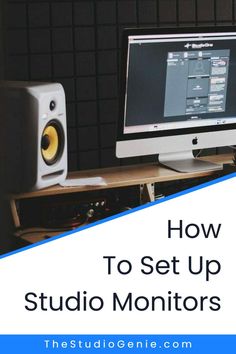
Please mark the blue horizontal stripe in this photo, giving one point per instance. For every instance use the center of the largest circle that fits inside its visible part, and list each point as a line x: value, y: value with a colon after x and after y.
x: 192, y: 344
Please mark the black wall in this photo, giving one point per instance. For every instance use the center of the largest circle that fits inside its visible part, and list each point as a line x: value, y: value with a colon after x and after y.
x: 77, y: 43
x: 2, y: 4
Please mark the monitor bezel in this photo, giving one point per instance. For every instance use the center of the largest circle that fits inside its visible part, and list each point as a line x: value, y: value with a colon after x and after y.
x: 121, y: 136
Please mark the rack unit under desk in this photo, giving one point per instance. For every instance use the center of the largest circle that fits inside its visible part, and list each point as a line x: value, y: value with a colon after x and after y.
x: 143, y: 175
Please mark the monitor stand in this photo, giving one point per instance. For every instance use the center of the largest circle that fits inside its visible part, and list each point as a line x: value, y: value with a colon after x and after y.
x: 186, y: 162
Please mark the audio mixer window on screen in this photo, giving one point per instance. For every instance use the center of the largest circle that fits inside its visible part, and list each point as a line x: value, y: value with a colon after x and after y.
x: 196, y: 82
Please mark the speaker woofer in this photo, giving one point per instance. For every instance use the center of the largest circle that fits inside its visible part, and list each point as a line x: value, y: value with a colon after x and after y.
x: 52, y: 142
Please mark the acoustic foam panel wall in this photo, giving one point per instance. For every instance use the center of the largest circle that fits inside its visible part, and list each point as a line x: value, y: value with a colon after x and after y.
x: 77, y: 43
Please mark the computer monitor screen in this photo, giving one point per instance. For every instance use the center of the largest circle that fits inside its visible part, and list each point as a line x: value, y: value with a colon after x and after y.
x: 178, y: 93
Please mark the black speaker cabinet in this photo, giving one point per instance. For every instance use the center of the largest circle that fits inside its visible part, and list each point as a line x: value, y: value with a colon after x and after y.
x: 34, y: 137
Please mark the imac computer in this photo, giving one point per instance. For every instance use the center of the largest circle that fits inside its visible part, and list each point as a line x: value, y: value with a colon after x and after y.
x: 178, y: 94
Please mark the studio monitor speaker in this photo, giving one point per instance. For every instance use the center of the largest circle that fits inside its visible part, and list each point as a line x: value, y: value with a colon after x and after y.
x: 33, y: 120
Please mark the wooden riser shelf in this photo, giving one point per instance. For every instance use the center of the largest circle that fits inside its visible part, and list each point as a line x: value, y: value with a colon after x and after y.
x: 144, y: 176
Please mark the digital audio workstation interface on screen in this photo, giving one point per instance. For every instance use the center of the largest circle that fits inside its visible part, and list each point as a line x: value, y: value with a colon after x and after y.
x: 175, y: 83
x: 196, y: 82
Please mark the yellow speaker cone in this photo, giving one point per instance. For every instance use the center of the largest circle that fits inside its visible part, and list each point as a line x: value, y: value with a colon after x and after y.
x: 50, y: 143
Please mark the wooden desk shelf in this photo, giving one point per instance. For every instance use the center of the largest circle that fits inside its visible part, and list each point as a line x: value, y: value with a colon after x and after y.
x: 143, y: 175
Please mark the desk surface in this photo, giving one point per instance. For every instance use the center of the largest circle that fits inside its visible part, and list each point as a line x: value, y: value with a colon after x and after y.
x: 124, y: 176
x: 114, y: 177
